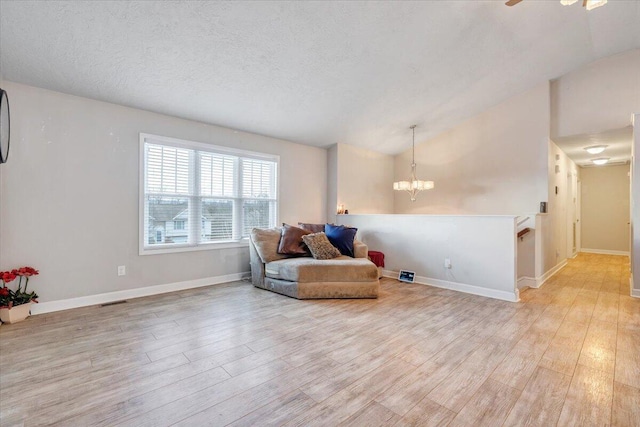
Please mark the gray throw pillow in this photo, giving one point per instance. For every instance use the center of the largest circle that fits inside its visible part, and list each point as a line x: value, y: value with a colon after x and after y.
x: 266, y: 241
x: 320, y: 246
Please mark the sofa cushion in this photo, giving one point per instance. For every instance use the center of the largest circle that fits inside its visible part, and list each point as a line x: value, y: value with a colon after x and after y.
x: 320, y: 246
x: 305, y: 270
x: 314, y: 228
x: 291, y: 241
x: 341, y: 237
x: 360, y: 250
x: 315, y: 290
x: 266, y: 241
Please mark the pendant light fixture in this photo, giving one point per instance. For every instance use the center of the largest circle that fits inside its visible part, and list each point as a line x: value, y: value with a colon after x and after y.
x: 414, y: 185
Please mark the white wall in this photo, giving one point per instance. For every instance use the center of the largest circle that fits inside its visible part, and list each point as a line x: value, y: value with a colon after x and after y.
x: 556, y: 249
x: 481, y: 249
x: 605, y: 208
x: 494, y: 163
x: 1, y: 208
x: 635, y: 207
x: 69, y: 194
x: 363, y: 180
x: 544, y: 263
x: 598, y: 97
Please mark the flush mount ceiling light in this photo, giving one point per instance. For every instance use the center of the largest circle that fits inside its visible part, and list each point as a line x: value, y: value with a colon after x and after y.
x: 414, y: 185
x: 588, y: 4
x: 595, y: 149
x: 600, y: 161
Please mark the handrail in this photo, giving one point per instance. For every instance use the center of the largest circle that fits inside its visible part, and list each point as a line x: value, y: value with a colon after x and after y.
x: 523, y: 232
x: 526, y: 218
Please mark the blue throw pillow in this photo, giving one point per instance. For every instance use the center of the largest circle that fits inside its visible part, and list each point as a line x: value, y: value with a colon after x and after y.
x: 341, y: 237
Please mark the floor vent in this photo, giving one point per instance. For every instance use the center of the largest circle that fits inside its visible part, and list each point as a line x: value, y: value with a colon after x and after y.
x: 113, y: 303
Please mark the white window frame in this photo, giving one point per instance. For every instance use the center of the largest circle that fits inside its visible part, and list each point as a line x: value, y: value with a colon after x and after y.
x: 199, y: 146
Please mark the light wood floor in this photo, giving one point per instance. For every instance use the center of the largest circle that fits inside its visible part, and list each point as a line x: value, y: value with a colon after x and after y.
x: 568, y: 355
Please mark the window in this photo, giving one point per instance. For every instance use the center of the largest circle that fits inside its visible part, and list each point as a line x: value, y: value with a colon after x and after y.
x: 197, y: 196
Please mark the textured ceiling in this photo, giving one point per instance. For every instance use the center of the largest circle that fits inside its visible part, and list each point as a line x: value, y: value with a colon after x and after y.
x: 310, y: 72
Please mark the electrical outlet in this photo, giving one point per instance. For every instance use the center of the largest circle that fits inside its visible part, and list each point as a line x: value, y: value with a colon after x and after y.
x: 122, y: 270
x: 447, y: 263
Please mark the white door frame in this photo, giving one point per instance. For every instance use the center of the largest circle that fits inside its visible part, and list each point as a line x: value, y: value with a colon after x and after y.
x: 578, y: 215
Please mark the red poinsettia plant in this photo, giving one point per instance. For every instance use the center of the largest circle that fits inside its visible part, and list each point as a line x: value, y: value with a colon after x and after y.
x: 10, y: 297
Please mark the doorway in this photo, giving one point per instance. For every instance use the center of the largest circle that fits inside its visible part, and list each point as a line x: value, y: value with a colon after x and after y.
x: 573, y: 214
x: 597, y: 200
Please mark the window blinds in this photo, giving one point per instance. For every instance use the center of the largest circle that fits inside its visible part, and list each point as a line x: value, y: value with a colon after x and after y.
x: 194, y: 196
x: 259, y: 194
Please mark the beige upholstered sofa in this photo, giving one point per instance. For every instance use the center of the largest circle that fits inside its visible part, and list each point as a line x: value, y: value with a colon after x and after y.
x: 309, y: 278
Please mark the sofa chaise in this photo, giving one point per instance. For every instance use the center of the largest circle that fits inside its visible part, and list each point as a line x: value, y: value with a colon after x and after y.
x: 304, y: 277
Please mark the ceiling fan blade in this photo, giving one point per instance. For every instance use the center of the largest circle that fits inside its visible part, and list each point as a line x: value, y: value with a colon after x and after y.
x: 512, y: 2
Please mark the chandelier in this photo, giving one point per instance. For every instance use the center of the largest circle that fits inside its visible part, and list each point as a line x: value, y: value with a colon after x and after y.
x: 414, y: 185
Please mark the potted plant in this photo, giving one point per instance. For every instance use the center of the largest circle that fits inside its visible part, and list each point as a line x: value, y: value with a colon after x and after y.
x: 15, y: 305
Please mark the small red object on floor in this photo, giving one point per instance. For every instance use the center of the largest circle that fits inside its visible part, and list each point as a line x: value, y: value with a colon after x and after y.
x: 377, y: 258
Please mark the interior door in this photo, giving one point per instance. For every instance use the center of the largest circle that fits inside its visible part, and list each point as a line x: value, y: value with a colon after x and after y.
x: 578, y: 211
x: 572, y: 214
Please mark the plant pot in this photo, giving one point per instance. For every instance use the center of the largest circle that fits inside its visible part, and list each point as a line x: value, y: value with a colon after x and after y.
x: 16, y: 313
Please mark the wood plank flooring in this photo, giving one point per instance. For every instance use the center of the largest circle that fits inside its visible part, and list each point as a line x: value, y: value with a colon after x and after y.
x: 568, y: 354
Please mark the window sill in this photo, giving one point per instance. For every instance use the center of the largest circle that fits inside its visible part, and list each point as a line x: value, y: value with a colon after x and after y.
x: 244, y: 243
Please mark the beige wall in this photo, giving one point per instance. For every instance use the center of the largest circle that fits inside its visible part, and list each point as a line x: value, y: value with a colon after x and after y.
x: 494, y: 163
x: 605, y: 208
x: 332, y: 182
x: 69, y: 194
x: 359, y: 179
x: 365, y: 180
x: 598, y: 97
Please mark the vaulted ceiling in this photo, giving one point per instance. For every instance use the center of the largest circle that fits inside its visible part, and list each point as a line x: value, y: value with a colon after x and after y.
x: 311, y: 72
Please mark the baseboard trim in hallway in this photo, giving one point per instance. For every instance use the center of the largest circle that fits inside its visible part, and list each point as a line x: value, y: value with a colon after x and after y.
x: 604, y: 252
x: 546, y: 276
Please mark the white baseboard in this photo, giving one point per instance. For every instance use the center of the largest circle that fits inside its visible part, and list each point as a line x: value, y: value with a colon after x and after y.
x: 604, y: 252
x: 527, y: 282
x: 540, y: 280
x: 634, y: 292
x: 66, y: 304
x: 390, y: 274
x: 460, y: 287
